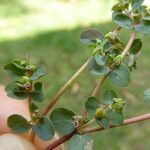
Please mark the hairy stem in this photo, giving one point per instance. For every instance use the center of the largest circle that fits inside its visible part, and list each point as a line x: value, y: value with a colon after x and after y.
x: 64, y: 88
x: 65, y: 138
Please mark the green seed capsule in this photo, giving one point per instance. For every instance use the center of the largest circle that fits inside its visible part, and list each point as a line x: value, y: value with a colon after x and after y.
x: 119, y: 104
x: 100, y: 113
x: 25, y: 79
x: 33, y: 67
x: 23, y: 63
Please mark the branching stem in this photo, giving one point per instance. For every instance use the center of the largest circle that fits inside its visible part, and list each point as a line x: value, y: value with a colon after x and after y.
x: 126, y: 122
x: 89, y: 123
x: 127, y: 48
x: 91, y: 130
x: 99, y: 85
x: 64, y: 88
x: 32, y: 135
x: 95, y: 92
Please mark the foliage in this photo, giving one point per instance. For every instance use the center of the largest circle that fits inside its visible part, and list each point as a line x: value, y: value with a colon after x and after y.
x: 110, y: 57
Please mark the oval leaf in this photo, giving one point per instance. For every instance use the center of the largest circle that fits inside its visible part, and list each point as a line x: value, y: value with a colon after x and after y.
x: 81, y: 142
x: 108, y: 97
x: 11, y: 92
x: 115, y: 117
x: 143, y: 28
x: 136, y: 46
x: 18, y: 124
x: 15, y: 68
x: 44, y: 129
x: 120, y: 76
x: 123, y: 21
x: 90, y: 36
x: 100, y: 60
x: 136, y: 4
x: 38, y: 94
x: 104, y: 122
x: 40, y: 71
x: 96, y: 69
x: 91, y: 105
x: 62, y: 120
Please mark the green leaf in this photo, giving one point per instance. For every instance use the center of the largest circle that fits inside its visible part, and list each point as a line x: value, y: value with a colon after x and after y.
x: 115, y: 13
x: 90, y: 36
x: 106, y: 45
x: 33, y: 107
x: 136, y: 46
x: 104, y: 122
x: 144, y: 27
x: 147, y: 95
x: 132, y: 60
x: 108, y: 97
x: 123, y: 21
x: 81, y: 142
x: 15, y: 68
x: 100, y: 60
x: 91, y: 105
x: 136, y: 4
x: 15, y: 94
x: 44, y: 129
x: 120, y: 76
x: 18, y: 124
x: 38, y: 94
x: 96, y: 69
x: 62, y: 120
x: 115, y: 117
x: 117, y: 7
x: 40, y: 71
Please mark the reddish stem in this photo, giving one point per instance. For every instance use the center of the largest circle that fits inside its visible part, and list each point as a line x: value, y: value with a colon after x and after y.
x: 65, y: 138
x: 59, y: 141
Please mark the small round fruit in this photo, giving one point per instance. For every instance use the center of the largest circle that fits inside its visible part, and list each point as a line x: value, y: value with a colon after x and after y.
x: 100, y: 113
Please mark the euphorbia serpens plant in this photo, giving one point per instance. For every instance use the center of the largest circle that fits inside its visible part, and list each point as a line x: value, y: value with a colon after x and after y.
x: 110, y: 59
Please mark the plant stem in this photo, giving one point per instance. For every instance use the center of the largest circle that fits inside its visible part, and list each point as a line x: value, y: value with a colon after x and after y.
x: 126, y: 122
x: 89, y: 123
x: 116, y: 31
x: 65, y: 138
x: 99, y: 85
x: 64, y: 88
x: 32, y: 135
x: 123, y: 54
x: 125, y: 51
x: 59, y: 141
x: 127, y: 48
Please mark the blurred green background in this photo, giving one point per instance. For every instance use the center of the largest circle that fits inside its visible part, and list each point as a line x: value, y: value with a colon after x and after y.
x: 49, y: 31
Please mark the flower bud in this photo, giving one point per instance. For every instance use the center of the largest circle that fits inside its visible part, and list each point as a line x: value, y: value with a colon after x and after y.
x: 100, y: 113
x: 23, y: 63
x: 25, y: 79
x: 118, y: 105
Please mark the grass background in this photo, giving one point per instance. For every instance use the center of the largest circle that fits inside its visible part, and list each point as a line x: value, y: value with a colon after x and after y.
x: 49, y: 31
